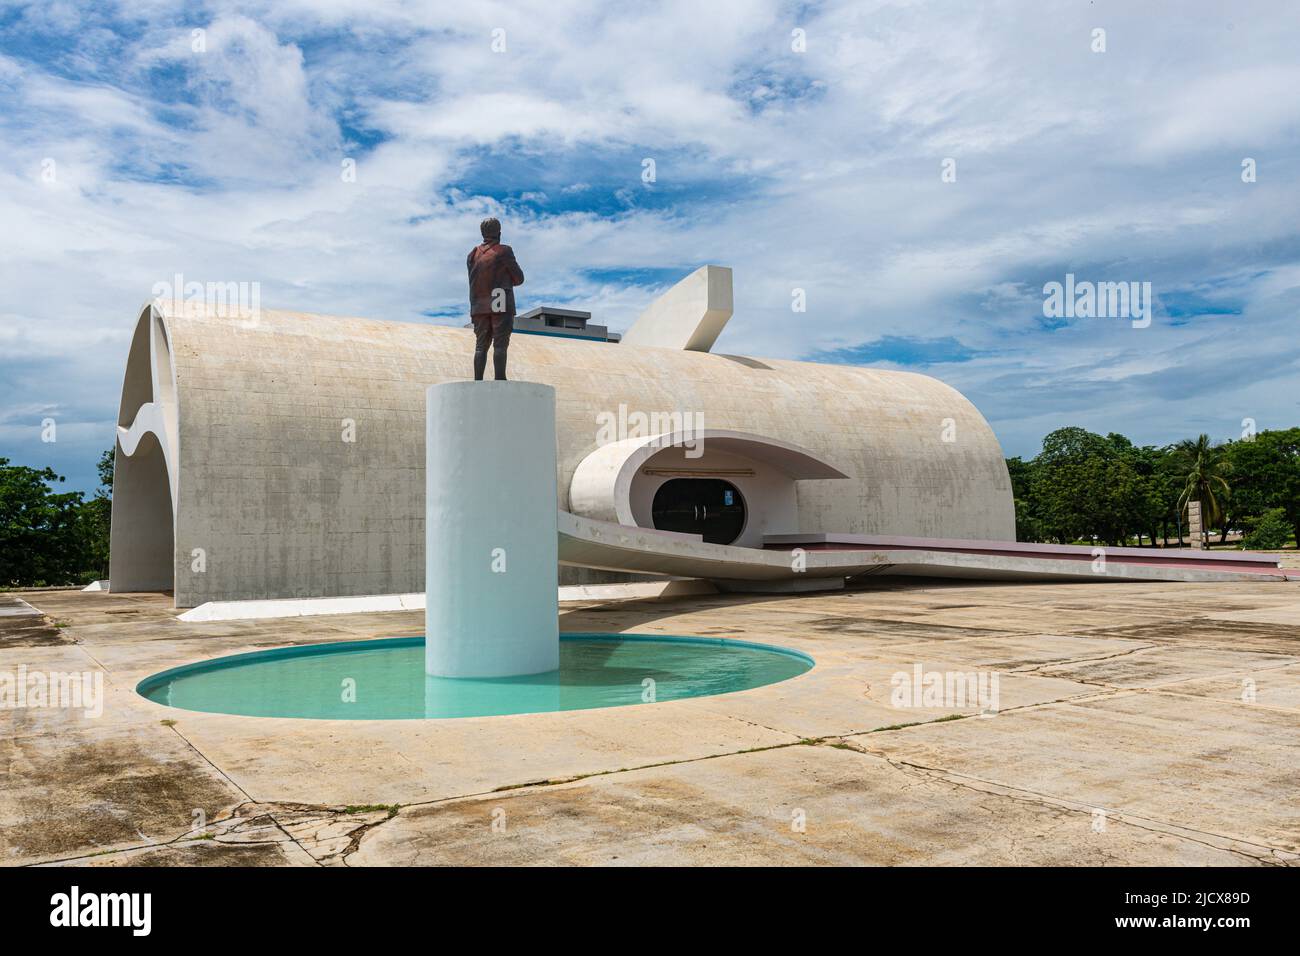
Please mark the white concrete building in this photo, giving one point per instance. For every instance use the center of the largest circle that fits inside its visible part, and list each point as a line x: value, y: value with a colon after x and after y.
x: 282, y: 455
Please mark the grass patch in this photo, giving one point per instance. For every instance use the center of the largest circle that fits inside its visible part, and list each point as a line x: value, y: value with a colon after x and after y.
x: 881, y: 730
x: 920, y: 723
x: 540, y: 783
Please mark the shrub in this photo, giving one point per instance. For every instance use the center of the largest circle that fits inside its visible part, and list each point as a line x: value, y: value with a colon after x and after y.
x: 1268, y: 532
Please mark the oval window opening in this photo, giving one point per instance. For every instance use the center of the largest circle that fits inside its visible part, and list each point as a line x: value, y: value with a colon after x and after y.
x: 706, y: 506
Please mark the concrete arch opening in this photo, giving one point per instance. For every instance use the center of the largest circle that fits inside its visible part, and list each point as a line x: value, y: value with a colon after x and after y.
x: 142, y: 538
x: 143, y: 544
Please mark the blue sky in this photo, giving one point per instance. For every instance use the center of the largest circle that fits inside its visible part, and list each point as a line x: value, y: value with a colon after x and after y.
x: 815, y: 169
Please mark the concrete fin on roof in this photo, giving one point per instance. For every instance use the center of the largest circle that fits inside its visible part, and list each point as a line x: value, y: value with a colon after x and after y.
x: 691, y: 315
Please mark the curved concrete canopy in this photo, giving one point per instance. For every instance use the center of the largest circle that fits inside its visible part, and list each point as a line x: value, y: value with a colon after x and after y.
x: 602, y: 482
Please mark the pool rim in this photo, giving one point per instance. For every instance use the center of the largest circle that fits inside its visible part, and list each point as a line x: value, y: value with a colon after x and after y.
x: 228, y: 661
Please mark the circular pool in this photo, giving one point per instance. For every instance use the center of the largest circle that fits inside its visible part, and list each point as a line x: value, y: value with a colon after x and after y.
x: 385, y: 679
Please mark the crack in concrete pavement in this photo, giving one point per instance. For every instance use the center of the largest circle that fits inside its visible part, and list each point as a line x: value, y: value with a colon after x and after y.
x: 230, y: 780
x: 1264, y: 853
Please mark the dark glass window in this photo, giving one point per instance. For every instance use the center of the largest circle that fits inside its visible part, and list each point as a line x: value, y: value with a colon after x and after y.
x: 707, y: 506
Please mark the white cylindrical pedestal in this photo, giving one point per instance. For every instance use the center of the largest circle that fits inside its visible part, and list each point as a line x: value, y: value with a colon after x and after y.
x: 490, y: 530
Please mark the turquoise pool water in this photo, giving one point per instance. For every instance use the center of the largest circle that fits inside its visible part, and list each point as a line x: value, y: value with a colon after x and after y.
x: 385, y: 679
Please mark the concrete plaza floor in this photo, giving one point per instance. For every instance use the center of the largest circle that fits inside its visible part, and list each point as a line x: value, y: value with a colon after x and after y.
x: 1137, y: 724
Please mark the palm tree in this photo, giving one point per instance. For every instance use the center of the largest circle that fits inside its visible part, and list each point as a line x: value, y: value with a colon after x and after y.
x: 1203, y: 468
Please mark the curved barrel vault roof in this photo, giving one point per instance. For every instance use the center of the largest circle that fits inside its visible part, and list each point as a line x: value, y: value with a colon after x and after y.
x: 293, y: 443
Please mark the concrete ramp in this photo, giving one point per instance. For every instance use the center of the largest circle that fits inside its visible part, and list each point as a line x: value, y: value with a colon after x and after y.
x: 586, y: 542
x: 827, y: 561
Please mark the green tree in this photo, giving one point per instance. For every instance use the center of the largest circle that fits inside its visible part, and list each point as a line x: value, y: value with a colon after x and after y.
x: 1166, y: 486
x: 48, y: 537
x: 1065, y: 480
x: 41, y: 535
x: 1266, y: 475
x: 1204, y: 467
x: 105, y: 468
x: 97, y: 514
x: 1268, y: 532
x: 1140, y: 498
x: 1084, y: 486
x: 1022, y: 477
